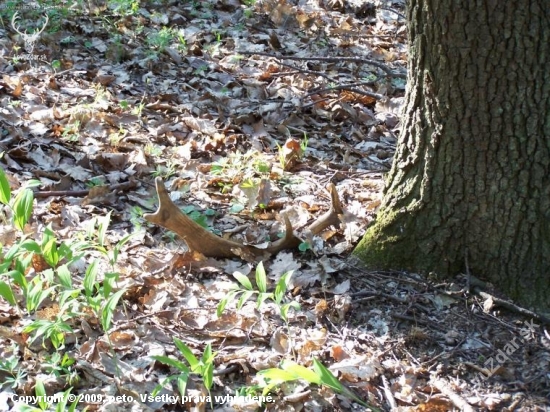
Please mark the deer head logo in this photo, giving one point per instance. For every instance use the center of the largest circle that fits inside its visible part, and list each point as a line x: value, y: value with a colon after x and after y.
x: 29, y: 38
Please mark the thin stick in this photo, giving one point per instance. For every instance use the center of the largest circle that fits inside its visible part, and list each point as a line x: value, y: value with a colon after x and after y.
x: 374, y: 63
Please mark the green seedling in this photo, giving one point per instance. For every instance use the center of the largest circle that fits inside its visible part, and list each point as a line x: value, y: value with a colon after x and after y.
x: 164, y: 171
x: 290, y: 371
x: 61, y: 366
x: 199, y: 217
x: 204, y: 367
x: 21, y: 204
x: 124, y: 7
x: 304, y: 143
x: 55, y: 330
x: 160, y: 39
x: 247, y: 290
x: 44, y: 405
x: 14, y: 374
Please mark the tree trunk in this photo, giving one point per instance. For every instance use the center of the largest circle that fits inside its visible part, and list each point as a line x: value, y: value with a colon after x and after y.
x: 470, y: 180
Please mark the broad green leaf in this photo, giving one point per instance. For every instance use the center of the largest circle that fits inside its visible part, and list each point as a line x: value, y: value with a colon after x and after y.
x: 161, y: 385
x: 4, y: 266
x: 181, y: 382
x: 30, y: 246
x: 19, y: 279
x: 208, y: 355
x: 49, y: 252
x: 187, y: 354
x: 243, y: 280
x: 90, y: 277
x: 7, y: 293
x: 245, y: 296
x: 282, y: 286
x: 208, y: 376
x: 68, y: 297
x: 182, y: 367
x: 22, y: 208
x: 327, y: 378
x: 286, y: 307
x: 40, y: 392
x: 36, y: 294
x: 22, y: 263
x: 261, y: 278
x: 236, y: 208
x: 109, y: 308
x: 304, y: 246
x: 301, y: 371
x: 276, y: 375
x: 65, y: 277
x: 262, y: 297
x: 102, y: 226
x: 33, y: 183
x: 5, y: 190
x: 109, y: 282
x: 223, y: 303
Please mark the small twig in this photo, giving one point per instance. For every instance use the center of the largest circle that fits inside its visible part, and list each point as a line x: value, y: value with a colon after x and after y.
x: 418, y: 321
x: 394, y: 11
x: 349, y: 87
x: 305, y: 106
x: 387, y: 393
x: 307, y: 71
x: 455, y: 398
x: 512, y: 307
x: 374, y: 63
x: 81, y: 193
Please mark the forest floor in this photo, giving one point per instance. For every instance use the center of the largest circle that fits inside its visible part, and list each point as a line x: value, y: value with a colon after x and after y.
x: 247, y: 111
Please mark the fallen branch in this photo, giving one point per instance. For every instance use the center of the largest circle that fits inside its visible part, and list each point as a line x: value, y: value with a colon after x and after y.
x: 455, y: 398
x: 81, y: 193
x: 335, y: 59
x: 198, y: 239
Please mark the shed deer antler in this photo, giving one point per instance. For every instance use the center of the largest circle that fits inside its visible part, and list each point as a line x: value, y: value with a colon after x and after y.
x: 169, y: 216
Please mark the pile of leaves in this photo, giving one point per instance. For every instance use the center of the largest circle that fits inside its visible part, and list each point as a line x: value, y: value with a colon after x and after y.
x: 246, y: 110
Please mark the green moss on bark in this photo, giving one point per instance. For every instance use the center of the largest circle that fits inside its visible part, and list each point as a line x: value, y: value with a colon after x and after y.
x: 393, y: 243
x: 385, y: 244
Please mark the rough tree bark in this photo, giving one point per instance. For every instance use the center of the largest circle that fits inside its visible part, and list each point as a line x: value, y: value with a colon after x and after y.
x: 471, y: 174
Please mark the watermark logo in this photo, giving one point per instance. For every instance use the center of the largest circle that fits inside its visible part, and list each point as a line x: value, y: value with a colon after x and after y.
x: 497, y: 361
x: 30, y: 39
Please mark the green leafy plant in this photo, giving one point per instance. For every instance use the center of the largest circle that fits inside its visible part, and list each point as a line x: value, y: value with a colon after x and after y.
x: 136, y: 217
x: 204, y: 367
x: 124, y: 7
x: 290, y: 371
x: 44, y: 405
x: 97, y: 294
x: 10, y: 366
x: 247, y: 290
x: 61, y: 366
x: 160, y: 39
x: 304, y: 143
x: 56, y: 329
x: 21, y: 204
x: 95, y: 181
x: 164, y: 171
x: 199, y: 217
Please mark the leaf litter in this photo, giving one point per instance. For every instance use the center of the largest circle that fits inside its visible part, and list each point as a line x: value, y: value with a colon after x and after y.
x: 247, y: 110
